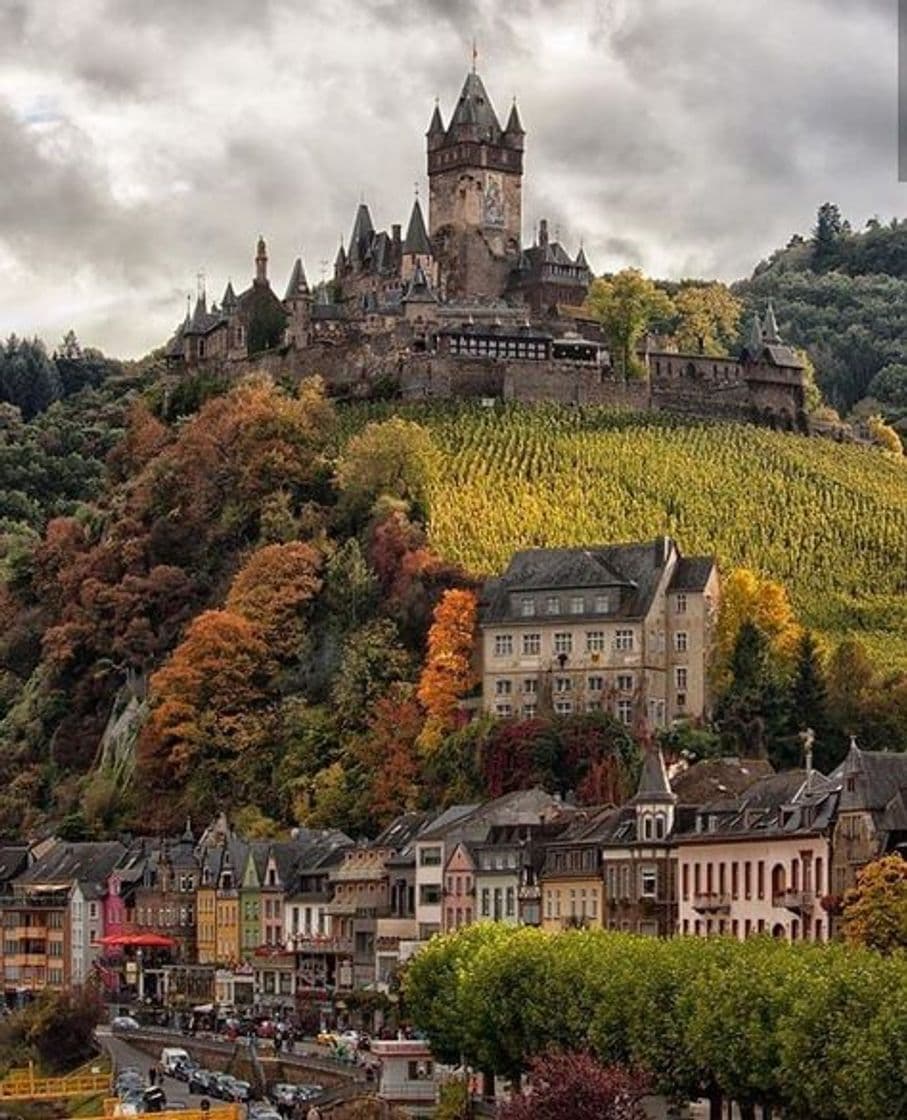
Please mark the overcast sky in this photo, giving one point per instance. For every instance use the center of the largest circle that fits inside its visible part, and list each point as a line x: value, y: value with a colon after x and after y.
x: 144, y: 140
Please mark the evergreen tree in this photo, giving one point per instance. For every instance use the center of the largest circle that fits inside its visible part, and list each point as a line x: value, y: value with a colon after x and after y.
x: 753, y: 714
x: 809, y: 702
x: 827, y: 234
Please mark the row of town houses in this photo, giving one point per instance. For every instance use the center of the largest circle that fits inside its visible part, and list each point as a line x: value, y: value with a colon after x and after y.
x: 721, y: 847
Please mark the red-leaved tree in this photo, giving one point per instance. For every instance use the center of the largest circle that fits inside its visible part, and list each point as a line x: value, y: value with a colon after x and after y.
x: 574, y: 1086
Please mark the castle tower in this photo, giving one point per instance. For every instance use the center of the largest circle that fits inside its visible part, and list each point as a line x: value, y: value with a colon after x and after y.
x: 417, y: 252
x: 261, y: 262
x: 298, y: 304
x: 475, y: 174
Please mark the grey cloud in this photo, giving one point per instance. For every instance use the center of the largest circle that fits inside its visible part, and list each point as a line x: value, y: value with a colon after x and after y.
x: 678, y: 135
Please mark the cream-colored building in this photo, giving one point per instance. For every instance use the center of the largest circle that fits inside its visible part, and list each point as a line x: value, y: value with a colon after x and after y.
x: 625, y: 629
x: 761, y: 863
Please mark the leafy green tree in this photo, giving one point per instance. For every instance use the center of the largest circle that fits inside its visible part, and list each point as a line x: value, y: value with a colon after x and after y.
x: 350, y: 587
x: 371, y: 660
x: 890, y: 385
x: 393, y: 458
x: 626, y: 304
x: 28, y: 377
x: 707, y: 319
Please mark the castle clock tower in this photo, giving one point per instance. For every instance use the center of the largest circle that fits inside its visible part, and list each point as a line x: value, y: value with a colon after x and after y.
x: 475, y: 173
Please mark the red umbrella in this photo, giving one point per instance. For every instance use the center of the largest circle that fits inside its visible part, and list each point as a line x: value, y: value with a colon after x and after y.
x: 138, y: 940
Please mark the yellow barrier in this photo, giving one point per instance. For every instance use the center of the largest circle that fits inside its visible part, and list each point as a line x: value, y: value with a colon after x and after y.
x: 221, y: 1112
x: 22, y: 1084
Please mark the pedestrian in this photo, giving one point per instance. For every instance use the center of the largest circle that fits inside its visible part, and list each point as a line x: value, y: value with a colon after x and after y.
x: 152, y: 1076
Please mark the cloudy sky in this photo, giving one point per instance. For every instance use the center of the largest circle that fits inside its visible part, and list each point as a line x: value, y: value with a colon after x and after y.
x: 144, y: 140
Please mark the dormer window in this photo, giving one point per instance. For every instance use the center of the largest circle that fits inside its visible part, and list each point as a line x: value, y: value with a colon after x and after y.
x: 659, y: 826
x: 527, y: 608
x: 647, y: 827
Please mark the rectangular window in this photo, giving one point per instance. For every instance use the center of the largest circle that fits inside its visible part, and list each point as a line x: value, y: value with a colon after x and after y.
x: 685, y: 874
x: 503, y: 645
x: 563, y: 707
x: 681, y: 701
x: 430, y: 857
x: 529, y: 711
x: 760, y: 879
x: 602, y: 604
x: 624, y: 682
x: 623, y: 641
x: 552, y: 605
x: 532, y: 645
x: 680, y: 641
x: 563, y: 643
x: 680, y: 678
x: 648, y: 882
x: 577, y: 604
x: 503, y: 711
x: 625, y: 711
x: 527, y: 608
x: 511, y: 902
x: 595, y: 641
x: 680, y: 603
x: 429, y: 894
x: 530, y: 686
x: 595, y: 684
x: 503, y: 687
x: 563, y: 684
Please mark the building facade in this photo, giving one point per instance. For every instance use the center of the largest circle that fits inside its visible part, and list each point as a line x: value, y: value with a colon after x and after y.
x: 625, y: 629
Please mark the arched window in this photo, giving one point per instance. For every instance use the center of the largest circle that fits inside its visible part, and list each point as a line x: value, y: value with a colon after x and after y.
x: 647, y: 827
x: 659, y: 826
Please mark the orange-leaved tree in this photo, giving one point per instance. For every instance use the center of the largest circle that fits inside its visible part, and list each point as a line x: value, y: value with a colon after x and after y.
x: 387, y: 753
x: 448, y: 673
x: 875, y: 910
x: 207, y: 699
x: 273, y: 589
x: 745, y: 597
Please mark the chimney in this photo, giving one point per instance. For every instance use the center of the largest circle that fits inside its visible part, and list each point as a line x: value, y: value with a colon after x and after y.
x: 543, y: 233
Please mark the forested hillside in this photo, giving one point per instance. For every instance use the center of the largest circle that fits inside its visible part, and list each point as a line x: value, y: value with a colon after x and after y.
x: 842, y: 295
x: 269, y: 603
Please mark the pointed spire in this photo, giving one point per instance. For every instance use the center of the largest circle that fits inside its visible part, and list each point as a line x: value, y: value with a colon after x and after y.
x: 770, y: 332
x: 436, y: 124
x: 298, y: 285
x: 416, y: 240
x: 187, y: 831
x: 514, y: 124
x: 653, y: 781
x: 340, y: 259
x: 581, y: 261
x: 228, y: 302
x: 419, y: 289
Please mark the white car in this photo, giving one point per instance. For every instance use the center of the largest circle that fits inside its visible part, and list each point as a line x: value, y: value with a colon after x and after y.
x: 125, y: 1023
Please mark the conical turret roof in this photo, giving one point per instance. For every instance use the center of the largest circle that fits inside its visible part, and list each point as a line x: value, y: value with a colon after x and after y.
x: 474, y: 106
x: 363, y: 232
x: 228, y: 302
x: 754, y: 338
x: 770, y: 333
x: 514, y: 124
x: 436, y: 124
x: 298, y: 285
x: 653, y: 781
x: 416, y: 240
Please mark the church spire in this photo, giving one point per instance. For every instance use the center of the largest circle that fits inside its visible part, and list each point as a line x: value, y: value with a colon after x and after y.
x: 770, y: 333
x: 261, y: 262
x: 416, y: 241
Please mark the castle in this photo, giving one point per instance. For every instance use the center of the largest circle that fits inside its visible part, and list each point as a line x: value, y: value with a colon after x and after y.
x: 461, y: 307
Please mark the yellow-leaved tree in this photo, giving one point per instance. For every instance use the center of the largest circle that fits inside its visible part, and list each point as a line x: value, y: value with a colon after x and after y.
x: 875, y: 910
x: 708, y: 315
x: 746, y: 597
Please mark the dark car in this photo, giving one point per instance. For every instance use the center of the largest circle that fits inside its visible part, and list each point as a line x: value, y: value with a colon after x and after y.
x: 184, y: 1069
x: 200, y: 1081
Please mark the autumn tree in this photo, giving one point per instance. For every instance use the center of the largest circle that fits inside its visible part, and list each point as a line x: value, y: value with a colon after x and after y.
x: 575, y: 1086
x: 707, y: 318
x: 393, y: 457
x: 388, y: 758
x: 875, y: 910
x: 626, y: 305
x: 273, y: 590
x: 448, y: 673
x: 746, y: 597
x: 371, y: 660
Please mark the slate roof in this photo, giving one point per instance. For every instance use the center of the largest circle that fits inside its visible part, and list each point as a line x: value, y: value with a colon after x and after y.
x: 632, y: 569
x: 298, y: 285
x: 416, y: 240
x: 714, y: 778
x: 514, y: 124
x: 67, y: 863
x: 363, y: 232
x: 13, y: 861
x: 692, y: 573
x: 474, y: 108
x: 436, y: 124
x: 653, y: 780
x: 451, y: 816
x: 524, y: 807
x: 419, y: 290
x: 875, y: 777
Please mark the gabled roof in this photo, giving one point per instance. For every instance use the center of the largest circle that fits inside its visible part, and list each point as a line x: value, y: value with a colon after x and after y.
x: 419, y: 290
x: 870, y: 779
x: 692, y: 573
x: 436, y: 828
x: 714, y: 779
x: 67, y: 863
x: 13, y: 861
x: 228, y: 302
x: 524, y: 807
x: 416, y: 240
x: 402, y: 830
x: 581, y: 261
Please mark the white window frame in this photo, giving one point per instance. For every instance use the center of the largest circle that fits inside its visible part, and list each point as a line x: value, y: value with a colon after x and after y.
x: 681, y: 641
x: 563, y: 642
x: 595, y: 641
x: 624, y: 641
x: 503, y: 645
x: 531, y: 645
x: 680, y: 603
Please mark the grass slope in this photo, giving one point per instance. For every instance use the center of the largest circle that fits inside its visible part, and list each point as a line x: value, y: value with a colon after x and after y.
x: 828, y: 520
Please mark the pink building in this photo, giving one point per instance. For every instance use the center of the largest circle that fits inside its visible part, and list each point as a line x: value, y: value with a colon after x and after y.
x: 760, y: 863
x: 459, y: 888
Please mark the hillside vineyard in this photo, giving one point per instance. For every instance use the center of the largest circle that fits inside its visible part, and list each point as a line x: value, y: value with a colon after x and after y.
x: 828, y: 520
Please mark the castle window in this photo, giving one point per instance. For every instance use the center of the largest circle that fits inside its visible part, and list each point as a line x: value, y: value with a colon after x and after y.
x: 680, y: 678
x: 625, y: 682
x: 602, y: 604
x: 625, y: 711
x: 577, y: 604
x: 680, y: 642
x: 563, y: 707
x: 503, y: 645
x: 595, y: 684
x: 595, y: 641
x: 503, y: 687
x: 552, y: 605
x: 531, y: 686
x: 532, y: 645
x: 680, y: 603
x: 563, y: 642
x: 623, y: 641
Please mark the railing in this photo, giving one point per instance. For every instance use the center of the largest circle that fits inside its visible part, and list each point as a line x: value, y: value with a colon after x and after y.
x: 22, y: 1084
x: 112, y: 1107
x: 796, y: 900
x: 712, y: 903
x: 303, y: 944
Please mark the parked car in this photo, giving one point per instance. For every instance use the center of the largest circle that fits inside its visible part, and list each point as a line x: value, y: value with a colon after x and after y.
x: 172, y: 1056
x: 241, y: 1090
x: 263, y: 1112
x: 326, y: 1038
x: 200, y: 1081
x: 307, y: 1092
x: 125, y: 1023
x: 283, y: 1093
x: 183, y: 1070
x: 221, y: 1086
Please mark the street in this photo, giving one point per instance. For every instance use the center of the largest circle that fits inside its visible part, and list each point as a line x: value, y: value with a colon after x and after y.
x: 123, y: 1054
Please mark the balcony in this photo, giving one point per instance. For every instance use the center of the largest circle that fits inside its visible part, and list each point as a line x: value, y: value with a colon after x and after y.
x: 712, y: 903
x: 800, y: 902
x: 333, y: 946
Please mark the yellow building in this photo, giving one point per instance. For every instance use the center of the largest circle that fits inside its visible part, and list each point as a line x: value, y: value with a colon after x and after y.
x: 573, y: 890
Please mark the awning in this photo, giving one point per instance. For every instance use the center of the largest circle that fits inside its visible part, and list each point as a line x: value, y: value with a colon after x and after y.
x: 138, y: 941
